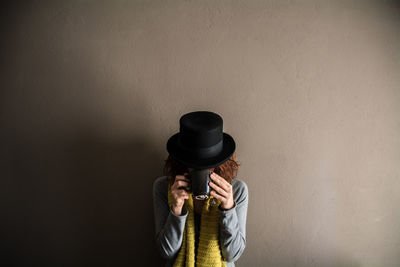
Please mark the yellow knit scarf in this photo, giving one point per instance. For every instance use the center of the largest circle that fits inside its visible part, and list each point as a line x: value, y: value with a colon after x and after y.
x: 208, y: 251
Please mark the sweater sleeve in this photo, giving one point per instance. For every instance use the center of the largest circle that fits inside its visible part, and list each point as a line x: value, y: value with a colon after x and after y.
x: 233, y: 225
x: 168, y: 226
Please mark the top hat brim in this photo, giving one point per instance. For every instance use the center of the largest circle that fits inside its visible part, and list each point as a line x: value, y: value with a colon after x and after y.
x: 228, y: 148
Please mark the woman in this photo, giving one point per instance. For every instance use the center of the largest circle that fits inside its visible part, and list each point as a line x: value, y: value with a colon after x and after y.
x: 192, y: 232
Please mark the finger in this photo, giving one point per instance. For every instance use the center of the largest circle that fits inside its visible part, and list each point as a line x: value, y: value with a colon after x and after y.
x: 182, y: 177
x: 184, y: 188
x: 178, y: 189
x: 180, y: 193
x: 221, y: 182
x: 182, y: 183
x: 178, y: 185
x: 220, y: 191
x: 217, y: 196
x: 183, y: 194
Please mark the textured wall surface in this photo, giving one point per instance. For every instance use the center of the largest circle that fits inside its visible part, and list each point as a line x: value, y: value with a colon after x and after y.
x: 91, y: 91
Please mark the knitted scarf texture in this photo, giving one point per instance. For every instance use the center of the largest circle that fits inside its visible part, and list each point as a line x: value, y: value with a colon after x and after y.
x: 208, y: 251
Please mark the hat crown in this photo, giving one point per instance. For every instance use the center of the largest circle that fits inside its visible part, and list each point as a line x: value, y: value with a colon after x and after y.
x: 201, y: 143
x: 200, y: 129
x: 201, y: 121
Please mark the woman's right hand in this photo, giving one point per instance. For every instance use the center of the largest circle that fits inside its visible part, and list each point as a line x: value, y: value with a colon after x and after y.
x: 179, y: 192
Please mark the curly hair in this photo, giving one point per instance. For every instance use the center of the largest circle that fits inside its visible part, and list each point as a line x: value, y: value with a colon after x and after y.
x: 228, y: 170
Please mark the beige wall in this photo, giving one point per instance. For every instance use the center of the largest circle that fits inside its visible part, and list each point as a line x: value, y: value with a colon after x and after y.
x: 91, y: 91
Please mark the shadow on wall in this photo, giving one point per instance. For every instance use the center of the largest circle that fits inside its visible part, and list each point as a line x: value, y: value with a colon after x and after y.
x: 70, y: 195
x: 114, y: 201
x: 78, y: 200
x: 86, y: 206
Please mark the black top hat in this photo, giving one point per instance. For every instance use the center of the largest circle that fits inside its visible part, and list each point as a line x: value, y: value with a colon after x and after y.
x: 201, y: 144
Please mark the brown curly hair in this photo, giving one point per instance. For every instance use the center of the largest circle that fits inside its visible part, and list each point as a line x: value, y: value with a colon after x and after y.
x: 228, y: 170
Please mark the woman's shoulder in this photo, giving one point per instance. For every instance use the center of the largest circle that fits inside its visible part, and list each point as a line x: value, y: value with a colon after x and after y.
x: 160, y: 183
x: 239, y: 183
x: 240, y: 189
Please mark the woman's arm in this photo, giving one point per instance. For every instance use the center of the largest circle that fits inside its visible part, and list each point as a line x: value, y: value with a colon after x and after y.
x: 168, y: 226
x: 233, y: 225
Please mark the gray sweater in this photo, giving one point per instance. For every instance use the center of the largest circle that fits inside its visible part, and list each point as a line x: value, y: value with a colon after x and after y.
x: 169, y: 227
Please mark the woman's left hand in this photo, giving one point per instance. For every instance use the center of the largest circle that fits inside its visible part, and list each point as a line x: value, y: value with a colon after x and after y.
x: 222, y: 191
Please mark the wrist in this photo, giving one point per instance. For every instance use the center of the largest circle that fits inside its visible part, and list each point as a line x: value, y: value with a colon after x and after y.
x: 227, y: 208
x: 177, y: 210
